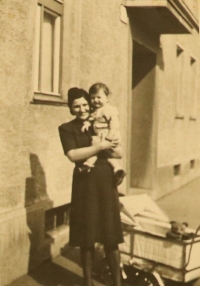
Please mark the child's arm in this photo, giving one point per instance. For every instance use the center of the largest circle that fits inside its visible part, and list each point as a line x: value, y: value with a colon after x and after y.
x: 87, y: 123
x: 85, y: 126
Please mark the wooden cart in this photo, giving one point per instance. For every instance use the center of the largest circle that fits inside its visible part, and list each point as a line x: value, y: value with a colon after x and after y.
x: 146, y: 247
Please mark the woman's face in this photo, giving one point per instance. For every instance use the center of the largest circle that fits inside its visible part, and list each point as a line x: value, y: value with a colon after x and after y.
x: 80, y: 108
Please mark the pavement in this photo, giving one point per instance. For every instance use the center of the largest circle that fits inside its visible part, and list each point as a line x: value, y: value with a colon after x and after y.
x: 183, y: 204
x: 65, y: 270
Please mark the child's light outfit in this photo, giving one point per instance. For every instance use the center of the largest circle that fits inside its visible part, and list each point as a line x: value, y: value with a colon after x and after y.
x: 105, y: 122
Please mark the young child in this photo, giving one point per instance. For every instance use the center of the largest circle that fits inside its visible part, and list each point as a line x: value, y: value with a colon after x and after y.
x: 105, y: 121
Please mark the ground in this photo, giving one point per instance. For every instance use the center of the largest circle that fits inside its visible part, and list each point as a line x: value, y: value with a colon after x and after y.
x: 65, y: 270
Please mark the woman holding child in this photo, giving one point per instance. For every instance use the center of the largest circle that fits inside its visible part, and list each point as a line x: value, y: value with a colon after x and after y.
x: 94, y: 213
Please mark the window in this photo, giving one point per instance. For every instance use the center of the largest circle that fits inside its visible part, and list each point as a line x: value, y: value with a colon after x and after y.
x: 192, y: 164
x: 193, y: 88
x: 177, y: 170
x: 47, y: 50
x: 180, y: 82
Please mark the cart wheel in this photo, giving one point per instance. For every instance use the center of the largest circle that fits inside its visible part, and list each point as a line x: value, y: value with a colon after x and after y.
x: 105, y: 273
x: 143, y: 278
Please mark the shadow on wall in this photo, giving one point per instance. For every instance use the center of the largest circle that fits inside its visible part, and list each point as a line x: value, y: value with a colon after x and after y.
x: 36, y: 203
x: 160, y: 59
x: 36, y: 184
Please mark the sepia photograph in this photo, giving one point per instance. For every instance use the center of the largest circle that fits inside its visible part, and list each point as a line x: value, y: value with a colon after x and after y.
x: 100, y: 143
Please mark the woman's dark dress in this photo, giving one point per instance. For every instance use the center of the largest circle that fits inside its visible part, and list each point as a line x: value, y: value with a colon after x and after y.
x: 94, y: 214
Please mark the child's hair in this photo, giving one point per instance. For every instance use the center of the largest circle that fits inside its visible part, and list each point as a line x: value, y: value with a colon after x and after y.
x: 95, y: 88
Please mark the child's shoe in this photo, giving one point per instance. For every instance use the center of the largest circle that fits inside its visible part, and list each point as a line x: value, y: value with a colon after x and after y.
x: 119, y: 176
x: 84, y: 169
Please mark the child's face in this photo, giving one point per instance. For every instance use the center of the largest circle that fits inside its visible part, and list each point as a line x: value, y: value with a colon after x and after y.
x: 99, y: 99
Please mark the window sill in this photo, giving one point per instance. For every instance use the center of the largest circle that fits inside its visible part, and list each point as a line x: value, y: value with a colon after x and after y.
x: 192, y: 118
x: 179, y: 116
x: 49, y: 99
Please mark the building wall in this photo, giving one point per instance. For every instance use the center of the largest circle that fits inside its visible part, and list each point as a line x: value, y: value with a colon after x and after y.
x: 178, y: 126
x: 171, y: 159
x: 35, y: 175
x: 106, y: 56
x: 193, y: 6
x: 33, y: 168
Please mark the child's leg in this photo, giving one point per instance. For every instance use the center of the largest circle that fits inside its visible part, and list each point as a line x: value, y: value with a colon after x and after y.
x: 88, y: 164
x: 90, y: 161
x: 115, y: 163
x: 118, y: 171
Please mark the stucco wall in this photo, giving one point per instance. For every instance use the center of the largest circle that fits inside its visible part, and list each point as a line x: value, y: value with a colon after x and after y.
x: 27, y: 128
x: 33, y: 168
x: 35, y: 175
x: 193, y: 6
x: 177, y: 137
x: 106, y: 55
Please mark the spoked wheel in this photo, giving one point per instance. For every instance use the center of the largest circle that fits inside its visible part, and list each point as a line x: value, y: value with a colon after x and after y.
x: 143, y: 278
x: 105, y: 273
x: 137, y: 277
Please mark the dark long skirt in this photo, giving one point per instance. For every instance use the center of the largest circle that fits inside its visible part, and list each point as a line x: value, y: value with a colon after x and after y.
x: 94, y: 214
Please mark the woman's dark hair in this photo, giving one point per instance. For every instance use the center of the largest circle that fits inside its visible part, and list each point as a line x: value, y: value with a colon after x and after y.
x: 75, y: 93
x: 95, y: 88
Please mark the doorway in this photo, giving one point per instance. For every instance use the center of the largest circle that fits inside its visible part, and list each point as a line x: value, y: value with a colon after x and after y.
x: 142, y: 152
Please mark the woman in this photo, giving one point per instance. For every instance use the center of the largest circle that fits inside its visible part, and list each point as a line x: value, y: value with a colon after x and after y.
x: 94, y: 213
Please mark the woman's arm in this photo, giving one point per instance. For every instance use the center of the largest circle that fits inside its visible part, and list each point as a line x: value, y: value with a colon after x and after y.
x: 86, y: 152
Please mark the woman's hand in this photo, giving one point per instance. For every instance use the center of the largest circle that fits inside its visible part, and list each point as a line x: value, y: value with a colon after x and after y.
x: 105, y: 144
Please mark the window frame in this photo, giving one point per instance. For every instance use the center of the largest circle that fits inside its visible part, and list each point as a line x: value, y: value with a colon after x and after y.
x: 55, y: 8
